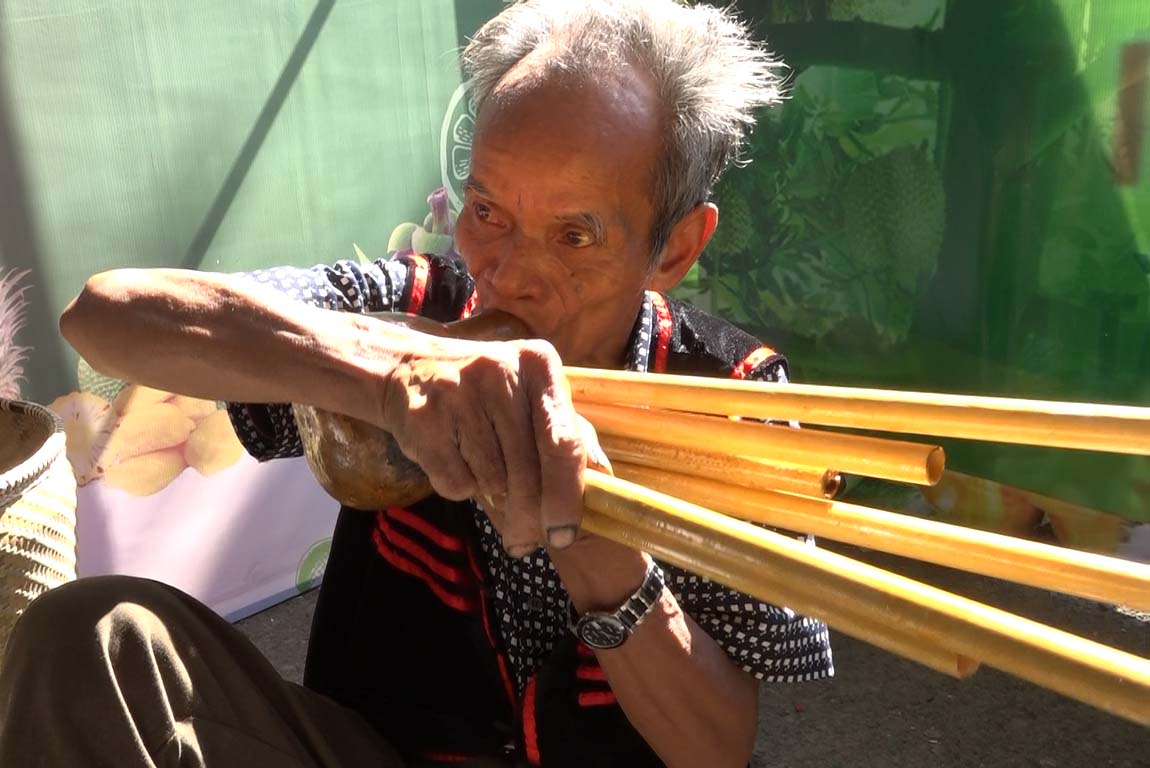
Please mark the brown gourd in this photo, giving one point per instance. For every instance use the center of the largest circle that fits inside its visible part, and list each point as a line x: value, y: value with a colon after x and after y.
x: 361, y: 465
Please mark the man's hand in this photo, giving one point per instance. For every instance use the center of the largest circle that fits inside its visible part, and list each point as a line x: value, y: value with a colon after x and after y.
x: 494, y: 421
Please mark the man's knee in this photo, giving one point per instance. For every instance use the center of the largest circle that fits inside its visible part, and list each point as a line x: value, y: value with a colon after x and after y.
x: 66, y: 619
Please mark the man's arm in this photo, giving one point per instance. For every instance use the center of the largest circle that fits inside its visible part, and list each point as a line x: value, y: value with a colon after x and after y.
x: 218, y: 337
x: 487, y: 419
x: 678, y: 688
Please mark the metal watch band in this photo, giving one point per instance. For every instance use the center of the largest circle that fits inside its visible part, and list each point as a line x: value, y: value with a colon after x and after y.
x: 610, y: 630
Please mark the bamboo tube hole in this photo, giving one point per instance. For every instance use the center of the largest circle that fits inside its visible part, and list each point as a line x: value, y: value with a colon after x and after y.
x: 935, y: 464
x: 832, y: 484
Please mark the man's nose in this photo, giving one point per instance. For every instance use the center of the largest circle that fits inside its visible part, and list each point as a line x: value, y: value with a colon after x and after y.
x: 513, y: 273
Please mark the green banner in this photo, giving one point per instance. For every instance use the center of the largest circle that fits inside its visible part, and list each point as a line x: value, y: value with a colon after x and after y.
x: 215, y: 135
x: 955, y: 198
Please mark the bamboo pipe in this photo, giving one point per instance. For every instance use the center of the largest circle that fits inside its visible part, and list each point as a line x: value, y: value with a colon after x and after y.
x: 738, y: 470
x: 852, y: 620
x: 874, y: 457
x: 1087, y: 426
x: 815, y: 582
x: 1108, y: 579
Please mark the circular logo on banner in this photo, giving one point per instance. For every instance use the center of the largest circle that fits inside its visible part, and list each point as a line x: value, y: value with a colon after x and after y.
x: 455, y: 143
x: 312, y: 565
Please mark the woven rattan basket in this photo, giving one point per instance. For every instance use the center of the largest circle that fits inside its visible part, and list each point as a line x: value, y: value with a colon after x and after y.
x: 37, y: 509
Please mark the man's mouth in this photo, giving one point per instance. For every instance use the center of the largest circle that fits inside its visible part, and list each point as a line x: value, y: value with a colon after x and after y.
x: 516, y: 326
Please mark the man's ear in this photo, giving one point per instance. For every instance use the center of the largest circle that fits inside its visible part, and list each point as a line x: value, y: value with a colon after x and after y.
x: 688, y: 238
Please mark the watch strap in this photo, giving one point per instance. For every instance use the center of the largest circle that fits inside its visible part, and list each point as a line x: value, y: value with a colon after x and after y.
x: 629, y: 615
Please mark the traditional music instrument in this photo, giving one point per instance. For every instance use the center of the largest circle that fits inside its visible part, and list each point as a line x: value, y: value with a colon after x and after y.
x: 697, y: 508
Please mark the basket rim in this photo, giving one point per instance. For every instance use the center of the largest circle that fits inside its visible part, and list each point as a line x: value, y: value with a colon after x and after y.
x: 20, y: 477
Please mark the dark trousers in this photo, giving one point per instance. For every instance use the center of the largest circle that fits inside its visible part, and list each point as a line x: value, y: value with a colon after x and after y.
x: 118, y: 672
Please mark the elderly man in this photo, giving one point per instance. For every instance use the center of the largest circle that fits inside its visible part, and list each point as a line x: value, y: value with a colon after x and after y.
x: 450, y: 633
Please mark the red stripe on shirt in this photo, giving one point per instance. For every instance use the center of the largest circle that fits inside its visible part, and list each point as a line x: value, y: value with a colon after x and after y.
x: 426, y: 529
x: 752, y: 361
x: 530, y: 735
x: 502, y: 662
x: 590, y: 672
x: 597, y: 699
x: 418, y: 283
x: 413, y: 548
x: 469, y: 307
x: 400, y: 563
x: 663, y: 337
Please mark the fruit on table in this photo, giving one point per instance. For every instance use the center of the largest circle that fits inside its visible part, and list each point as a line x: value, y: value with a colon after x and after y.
x: 213, y: 445
x: 1086, y: 529
x: 736, y: 225
x: 435, y: 237
x: 195, y: 408
x: 146, y: 473
x: 145, y: 438
x: 96, y: 383
x: 88, y: 421
x: 149, y: 427
x: 884, y: 238
x: 985, y: 504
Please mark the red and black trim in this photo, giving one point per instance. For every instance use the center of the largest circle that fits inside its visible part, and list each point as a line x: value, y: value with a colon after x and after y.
x: 591, y: 686
x: 469, y: 307
x: 664, y: 326
x: 420, y: 270
x: 530, y: 726
x: 760, y: 356
x: 484, y: 610
x: 416, y: 547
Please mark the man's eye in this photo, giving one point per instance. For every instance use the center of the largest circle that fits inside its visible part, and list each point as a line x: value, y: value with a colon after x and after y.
x: 482, y: 212
x: 577, y: 238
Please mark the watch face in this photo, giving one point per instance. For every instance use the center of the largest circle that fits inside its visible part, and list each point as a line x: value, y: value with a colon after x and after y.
x: 601, y: 631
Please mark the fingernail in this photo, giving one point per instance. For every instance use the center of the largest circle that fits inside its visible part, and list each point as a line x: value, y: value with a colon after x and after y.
x: 561, y: 536
x: 520, y: 551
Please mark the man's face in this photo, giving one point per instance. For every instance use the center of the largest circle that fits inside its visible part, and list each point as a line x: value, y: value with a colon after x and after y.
x: 557, y: 213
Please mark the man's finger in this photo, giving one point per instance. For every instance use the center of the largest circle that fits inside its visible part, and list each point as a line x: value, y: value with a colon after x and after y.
x: 560, y: 448
x: 520, y: 525
x: 449, y: 474
x: 597, y: 458
x: 480, y: 448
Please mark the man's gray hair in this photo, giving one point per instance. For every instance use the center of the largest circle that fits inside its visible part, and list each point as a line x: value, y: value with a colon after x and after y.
x: 710, y: 73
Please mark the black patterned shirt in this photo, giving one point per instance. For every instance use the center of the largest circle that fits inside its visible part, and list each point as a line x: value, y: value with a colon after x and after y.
x: 770, y: 642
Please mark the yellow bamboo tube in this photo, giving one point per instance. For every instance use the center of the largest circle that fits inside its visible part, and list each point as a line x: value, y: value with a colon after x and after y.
x: 739, y: 470
x: 1088, y: 426
x: 855, y: 621
x: 874, y: 457
x: 815, y: 582
x: 905, y: 645
x: 1108, y: 579
x: 851, y: 620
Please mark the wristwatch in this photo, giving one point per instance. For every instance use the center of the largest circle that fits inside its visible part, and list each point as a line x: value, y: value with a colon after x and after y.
x: 604, y: 631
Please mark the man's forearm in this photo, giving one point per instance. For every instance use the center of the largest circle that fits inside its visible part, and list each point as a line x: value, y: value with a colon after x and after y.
x: 676, y: 685
x: 211, y: 336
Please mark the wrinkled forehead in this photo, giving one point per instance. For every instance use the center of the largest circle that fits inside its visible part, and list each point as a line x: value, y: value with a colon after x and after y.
x: 612, y: 118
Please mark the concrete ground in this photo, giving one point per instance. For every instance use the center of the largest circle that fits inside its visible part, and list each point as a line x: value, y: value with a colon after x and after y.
x: 882, y: 712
